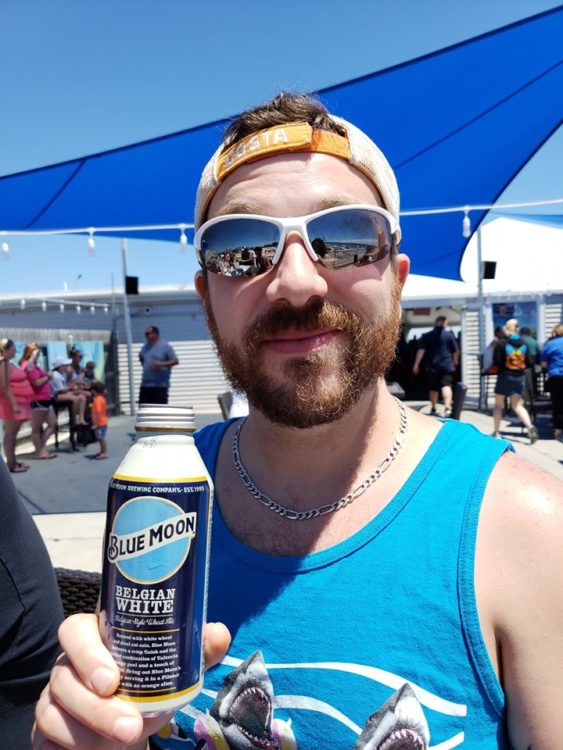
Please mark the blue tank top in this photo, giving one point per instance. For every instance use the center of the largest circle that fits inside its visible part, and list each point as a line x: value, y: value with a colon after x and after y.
x: 375, y: 639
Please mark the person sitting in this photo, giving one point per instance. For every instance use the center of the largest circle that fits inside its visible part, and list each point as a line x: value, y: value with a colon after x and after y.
x: 63, y: 393
x: 42, y: 411
x: 89, y: 374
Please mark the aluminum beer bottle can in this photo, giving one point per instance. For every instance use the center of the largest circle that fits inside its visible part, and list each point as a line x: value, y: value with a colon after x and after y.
x: 156, y: 556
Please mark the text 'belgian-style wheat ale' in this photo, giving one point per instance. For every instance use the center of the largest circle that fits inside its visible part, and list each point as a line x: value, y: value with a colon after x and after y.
x: 156, y: 555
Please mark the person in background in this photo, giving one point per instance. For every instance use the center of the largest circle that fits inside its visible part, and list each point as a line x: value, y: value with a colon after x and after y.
x: 442, y: 358
x: 64, y: 394
x: 42, y: 411
x: 552, y: 361
x: 158, y: 358
x: 76, y: 369
x: 512, y: 358
x: 31, y: 614
x: 531, y: 372
x: 16, y: 395
x: 89, y: 374
x: 100, y: 418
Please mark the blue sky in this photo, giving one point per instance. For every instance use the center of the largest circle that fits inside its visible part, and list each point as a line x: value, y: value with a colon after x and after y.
x: 82, y: 77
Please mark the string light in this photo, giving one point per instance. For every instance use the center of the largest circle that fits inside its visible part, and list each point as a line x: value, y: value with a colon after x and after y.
x: 61, y: 308
x: 22, y: 304
x: 44, y: 306
x: 466, y: 225
x: 92, y: 310
x: 106, y: 309
x: 5, y: 250
x: 91, y: 243
x: 78, y: 310
x: 183, y: 239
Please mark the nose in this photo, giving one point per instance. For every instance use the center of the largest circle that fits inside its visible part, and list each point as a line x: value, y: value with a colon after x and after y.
x: 296, y: 278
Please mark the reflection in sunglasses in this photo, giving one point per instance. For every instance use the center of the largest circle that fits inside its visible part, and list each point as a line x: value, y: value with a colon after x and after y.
x: 250, y: 245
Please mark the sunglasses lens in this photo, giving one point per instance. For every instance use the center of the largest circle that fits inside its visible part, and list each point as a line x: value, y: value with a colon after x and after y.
x: 239, y: 246
x: 351, y: 236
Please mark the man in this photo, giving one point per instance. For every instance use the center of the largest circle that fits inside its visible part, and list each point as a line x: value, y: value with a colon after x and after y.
x: 365, y: 610
x: 442, y: 357
x: 64, y: 392
x: 157, y: 358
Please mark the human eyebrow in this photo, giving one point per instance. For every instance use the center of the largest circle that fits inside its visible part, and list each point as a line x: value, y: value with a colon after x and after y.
x: 238, y: 207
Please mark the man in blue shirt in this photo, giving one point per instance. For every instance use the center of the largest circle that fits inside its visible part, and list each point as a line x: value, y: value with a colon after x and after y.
x: 157, y: 358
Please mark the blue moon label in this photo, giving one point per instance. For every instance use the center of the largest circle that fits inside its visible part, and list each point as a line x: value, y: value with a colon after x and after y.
x: 152, y: 600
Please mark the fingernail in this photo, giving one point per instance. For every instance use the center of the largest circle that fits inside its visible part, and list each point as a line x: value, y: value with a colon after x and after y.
x: 126, y: 729
x: 102, y: 680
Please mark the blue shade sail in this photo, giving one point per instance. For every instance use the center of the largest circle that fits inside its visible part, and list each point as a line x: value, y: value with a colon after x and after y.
x: 457, y: 125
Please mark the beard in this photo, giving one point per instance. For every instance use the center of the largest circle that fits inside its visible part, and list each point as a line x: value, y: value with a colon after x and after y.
x: 319, y: 387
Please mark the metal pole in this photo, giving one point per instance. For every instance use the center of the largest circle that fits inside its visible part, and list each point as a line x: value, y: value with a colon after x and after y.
x: 481, y: 313
x: 128, y: 335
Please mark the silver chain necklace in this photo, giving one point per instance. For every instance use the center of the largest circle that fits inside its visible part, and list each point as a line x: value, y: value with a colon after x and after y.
x: 322, y: 510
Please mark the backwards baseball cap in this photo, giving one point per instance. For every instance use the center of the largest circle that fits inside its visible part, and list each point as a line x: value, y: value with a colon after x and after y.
x: 355, y: 147
x: 60, y: 362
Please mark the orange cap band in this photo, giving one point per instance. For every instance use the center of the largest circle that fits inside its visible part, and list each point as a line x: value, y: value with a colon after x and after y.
x: 298, y: 136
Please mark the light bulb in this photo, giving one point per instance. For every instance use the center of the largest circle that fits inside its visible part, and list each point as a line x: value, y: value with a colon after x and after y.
x: 61, y: 308
x: 92, y: 309
x: 44, y: 306
x: 5, y: 250
x: 78, y: 309
x: 106, y: 309
x: 22, y: 304
x: 91, y: 244
x: 466, y: 225
x: 183, y: 240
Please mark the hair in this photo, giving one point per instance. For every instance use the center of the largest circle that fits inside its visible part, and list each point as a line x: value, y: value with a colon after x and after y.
x: 525, y: 331
x: 557, y: 331
x: 27, y: 352
x: 511, y: 327
x: 285, y: 108
x: 440, y: 320
x: 6, y: 344
x: 98, y: 387
x: 90, y: 364
x: 154, y: 329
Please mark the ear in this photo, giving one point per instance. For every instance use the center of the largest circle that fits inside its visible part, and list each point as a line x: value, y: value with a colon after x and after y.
x: 403, y: 264
x: 200, y: 284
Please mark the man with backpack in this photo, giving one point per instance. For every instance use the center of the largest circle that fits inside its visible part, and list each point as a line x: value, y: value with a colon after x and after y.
x: 512, y: 357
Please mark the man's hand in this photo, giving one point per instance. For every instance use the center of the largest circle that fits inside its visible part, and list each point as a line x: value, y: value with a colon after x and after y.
x: 78, y: 710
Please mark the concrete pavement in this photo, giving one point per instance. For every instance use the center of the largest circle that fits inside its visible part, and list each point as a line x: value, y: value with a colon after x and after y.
x: 67, y: 495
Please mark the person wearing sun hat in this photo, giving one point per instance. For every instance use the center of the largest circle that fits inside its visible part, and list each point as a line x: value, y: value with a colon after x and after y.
x: 63, y: 393
x: 364, y: 609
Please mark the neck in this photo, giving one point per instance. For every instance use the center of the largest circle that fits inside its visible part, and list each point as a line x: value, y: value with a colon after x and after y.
x: 323, y: 461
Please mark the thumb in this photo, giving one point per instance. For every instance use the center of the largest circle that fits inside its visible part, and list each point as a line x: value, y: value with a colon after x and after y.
x: 217, y: 640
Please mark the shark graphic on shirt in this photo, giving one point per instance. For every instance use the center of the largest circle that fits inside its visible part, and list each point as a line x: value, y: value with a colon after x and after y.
x: 241, y: 718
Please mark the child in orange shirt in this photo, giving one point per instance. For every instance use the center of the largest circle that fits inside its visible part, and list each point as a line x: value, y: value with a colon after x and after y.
x: 99, y: 418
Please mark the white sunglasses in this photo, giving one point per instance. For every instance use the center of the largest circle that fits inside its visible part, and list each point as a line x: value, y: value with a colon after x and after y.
x: 251, y: 244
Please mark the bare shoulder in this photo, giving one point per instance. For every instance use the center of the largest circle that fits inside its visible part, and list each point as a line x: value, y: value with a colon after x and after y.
x: 521, y: 521
x: 518, y: 574
x: 519, y: 492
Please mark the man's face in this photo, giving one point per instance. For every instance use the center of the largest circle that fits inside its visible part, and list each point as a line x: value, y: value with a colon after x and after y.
x: 151, y: 336
x: 304, y: 342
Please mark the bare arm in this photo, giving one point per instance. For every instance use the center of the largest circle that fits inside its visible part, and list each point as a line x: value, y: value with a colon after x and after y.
x: 78, y: 710
x: 418, y: 359
x: 518, y: 574
x: 5, y: 385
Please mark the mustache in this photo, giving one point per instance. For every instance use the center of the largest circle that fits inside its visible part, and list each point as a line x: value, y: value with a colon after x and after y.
x: 315, y: 314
